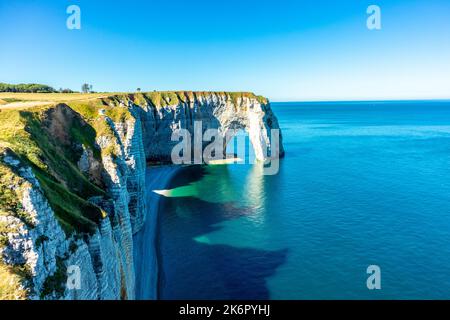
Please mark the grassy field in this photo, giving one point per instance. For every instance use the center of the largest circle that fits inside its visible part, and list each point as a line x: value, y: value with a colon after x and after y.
x: 17, y: 96
x: 24, y: 100
x: 10, y: 285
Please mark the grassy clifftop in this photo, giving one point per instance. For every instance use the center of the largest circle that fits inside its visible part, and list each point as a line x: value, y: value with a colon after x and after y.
x: 157, y: 98
x: 164, y: 98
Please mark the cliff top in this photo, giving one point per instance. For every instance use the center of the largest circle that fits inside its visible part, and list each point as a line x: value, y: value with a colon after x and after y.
x: 11, y: 100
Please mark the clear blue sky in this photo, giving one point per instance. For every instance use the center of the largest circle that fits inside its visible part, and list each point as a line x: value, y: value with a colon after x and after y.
x: 285, y: 50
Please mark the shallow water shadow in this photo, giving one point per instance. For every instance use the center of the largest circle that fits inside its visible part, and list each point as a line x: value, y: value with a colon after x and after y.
x: 191, y: 269
x: 187, y: 175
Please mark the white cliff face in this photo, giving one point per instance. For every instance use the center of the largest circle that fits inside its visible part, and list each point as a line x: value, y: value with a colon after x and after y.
x: 215, y: 111
x: 26, y: 245
x: 131, y: 135
x: 105, y: 257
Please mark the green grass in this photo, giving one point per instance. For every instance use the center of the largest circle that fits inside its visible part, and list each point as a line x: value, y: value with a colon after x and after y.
x: 89, y: 111
x: 10, y: 100
x: 53, y: 161
x: 73, y: 212
x: 11, y: 284
x: 10, y: 199
x: 54, y: 97
x: 167, y: 98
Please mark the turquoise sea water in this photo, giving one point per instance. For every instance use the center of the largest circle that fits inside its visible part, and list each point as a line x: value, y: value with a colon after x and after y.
x: 361, y: 184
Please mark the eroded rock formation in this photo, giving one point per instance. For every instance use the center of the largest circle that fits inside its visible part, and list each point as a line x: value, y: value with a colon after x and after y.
x: 34, y: 226
x: 214, y: 111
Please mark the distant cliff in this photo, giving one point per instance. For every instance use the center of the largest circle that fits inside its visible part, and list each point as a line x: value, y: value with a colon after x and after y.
x: 72, y: 183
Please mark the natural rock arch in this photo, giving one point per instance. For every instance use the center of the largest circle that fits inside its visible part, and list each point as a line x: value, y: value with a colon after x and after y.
x: 219, y: 111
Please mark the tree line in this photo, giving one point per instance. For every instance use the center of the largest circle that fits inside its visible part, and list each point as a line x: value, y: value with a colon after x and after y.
x: 26, y: 87
x: 39, y: 88
x: 42, y: 88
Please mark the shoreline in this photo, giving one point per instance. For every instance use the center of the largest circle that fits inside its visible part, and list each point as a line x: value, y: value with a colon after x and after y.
x: 145, y: 249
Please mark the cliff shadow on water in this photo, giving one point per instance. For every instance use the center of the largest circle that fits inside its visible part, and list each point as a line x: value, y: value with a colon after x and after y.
x: 190, y: 268
x: 187, y: 175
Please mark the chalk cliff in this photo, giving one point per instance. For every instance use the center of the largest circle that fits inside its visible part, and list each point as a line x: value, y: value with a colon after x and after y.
x: 220, y: 111
x: 72, y: 183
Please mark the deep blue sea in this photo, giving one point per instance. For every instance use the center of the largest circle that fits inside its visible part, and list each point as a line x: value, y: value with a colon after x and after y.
x: 361, y: 184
